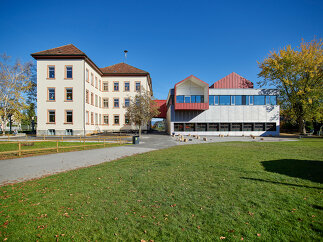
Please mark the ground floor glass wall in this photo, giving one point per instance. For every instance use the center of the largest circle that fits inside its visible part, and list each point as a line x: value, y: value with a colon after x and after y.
x: 189, y: 127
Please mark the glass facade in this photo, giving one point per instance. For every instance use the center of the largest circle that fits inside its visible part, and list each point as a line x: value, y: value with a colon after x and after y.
x: 234, y: 127
x: 240, y: 100
x: 190, y: 99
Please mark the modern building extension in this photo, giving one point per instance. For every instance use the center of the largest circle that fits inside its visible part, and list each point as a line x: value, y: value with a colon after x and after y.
x: 76, y: 97
x: 231, y: 106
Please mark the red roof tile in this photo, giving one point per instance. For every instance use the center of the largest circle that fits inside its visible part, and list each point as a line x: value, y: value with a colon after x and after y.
x: 122, y: 68
x: 62, y: 50
x: 233, y: 80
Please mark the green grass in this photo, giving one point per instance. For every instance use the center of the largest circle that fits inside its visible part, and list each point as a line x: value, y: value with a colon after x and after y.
x: 48, y: 144
x: 250, y: 190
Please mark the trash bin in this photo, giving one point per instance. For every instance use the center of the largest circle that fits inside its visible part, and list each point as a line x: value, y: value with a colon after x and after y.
x: 135, y: 140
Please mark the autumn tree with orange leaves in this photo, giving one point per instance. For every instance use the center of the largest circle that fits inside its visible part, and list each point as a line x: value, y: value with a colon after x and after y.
x: 298, y: 74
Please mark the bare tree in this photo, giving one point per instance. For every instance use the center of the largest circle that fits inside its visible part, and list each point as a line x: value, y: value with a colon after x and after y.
x: 15, y: 82
x: 142, y: 109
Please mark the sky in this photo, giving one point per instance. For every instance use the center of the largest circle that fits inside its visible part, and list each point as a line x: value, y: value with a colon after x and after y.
x: 170, y: 39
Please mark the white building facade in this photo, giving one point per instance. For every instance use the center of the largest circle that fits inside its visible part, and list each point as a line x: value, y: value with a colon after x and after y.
x: 230, y: 107
x: 75, y: 97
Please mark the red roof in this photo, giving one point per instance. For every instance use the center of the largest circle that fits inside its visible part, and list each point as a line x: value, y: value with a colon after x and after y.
x: 122, y: 68
x: 233, y: 80
x: 62, y: 50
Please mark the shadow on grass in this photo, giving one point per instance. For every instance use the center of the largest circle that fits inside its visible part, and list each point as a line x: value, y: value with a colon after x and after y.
x: 280, y: 183
x: 311, y: 170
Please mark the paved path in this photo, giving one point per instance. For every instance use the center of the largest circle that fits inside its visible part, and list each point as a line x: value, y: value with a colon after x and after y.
x: 15, y: 170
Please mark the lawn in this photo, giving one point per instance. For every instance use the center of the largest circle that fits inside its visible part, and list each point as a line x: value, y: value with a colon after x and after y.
x: 229, y: 191
x: 9, y: 146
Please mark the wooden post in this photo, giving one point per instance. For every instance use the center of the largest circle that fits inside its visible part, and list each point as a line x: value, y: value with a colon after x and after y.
x: 83, y: 144
x: 57, y: 146
x: 44, y: 137
x: 19, y: 148
x: 62, y: 138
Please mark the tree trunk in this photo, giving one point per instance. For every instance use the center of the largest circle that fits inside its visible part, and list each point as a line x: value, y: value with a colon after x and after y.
x: 139, y: 130
x: 301, y: 126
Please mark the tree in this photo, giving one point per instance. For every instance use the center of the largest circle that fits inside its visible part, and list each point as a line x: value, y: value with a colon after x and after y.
x: 298, y: 75
x: 15, y: 82
x: 142, y: 109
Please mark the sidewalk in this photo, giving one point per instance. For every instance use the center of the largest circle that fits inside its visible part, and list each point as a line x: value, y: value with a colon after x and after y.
x: 21, y: 169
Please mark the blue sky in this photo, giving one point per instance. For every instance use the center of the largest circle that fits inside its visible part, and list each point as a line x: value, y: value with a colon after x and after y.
x: 169, y: 39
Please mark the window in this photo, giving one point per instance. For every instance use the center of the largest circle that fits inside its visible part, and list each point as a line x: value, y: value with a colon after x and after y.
x: 247, y: 127
x: 178, y: 127
x: 224, y: 100
x: 105, y: 86
x: 105, y: 119
x: 271, y: 100
x: 137, y: 86
x: 180, y: 99
x: 69, y: 116
x: 216, y: 100
x: 51, y: 94
x: 51, y: 72
x: 68, y: 94
x: 259, y: 100
x: 236, y: 126
x: 116, y: 119
x: 96, y: 100
x: 187, y: 99
x: 245, y: 100
x: 69, y: 72
x: 87, y: 117
x: 224, y: 127
x: 100, y: 118
x: 92, y: 100
x: 96, y: 119
x: 116, y: 102
x: 189, y: 127
x: 116, y: 86
x: 92, y: 79
x: 87, y: 75
x: 87, y: 96
x: 270, y: 126
x: 92, y: 119
x: 100, y: 85
x: 232, y: 100
x: 96, y: 82
x: 200, y: 127
x: 105, y: 102
x: 126, y: 102
x: 238, y: 100
x: 213, y: 127
x: 259, y: 127
x: 51, y: 116
x: 126, y: 120
x: 99, y: 102
x: 250, y: 100
x: 211, y: 100
x: 69, y: 132
x: 127, y: 86
x: 51, y: 132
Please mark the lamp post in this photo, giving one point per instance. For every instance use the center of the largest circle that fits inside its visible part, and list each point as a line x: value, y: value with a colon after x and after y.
x: 10, y: 123
x: 32, y: 124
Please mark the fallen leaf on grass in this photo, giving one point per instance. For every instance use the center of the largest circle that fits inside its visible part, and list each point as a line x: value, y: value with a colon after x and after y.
x: 222, y: 237
x: 258, y: 235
